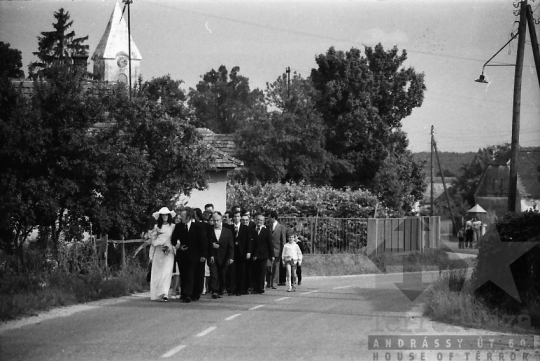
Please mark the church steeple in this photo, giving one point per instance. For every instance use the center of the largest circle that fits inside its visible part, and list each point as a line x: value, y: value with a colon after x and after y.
x: 111, y: 55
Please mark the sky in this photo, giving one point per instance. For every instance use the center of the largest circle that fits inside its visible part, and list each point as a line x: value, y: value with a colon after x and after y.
x: 449, y: 41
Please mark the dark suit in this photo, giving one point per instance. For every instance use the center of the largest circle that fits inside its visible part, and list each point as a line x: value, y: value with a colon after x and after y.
x: 221, y: 255
x: 189, y: 260
x: 242, y: 246
x: 262, y: 250
x: 279, y: 238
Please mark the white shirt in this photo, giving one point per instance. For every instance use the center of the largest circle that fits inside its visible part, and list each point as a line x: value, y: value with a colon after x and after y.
x: 217, y: 232
x: 291, y: 251
x: 188, y: 224
x: 274, y: 226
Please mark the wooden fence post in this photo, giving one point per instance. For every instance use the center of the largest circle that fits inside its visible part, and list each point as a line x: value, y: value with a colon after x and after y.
x: 372, y: 236
x: 123, y: 253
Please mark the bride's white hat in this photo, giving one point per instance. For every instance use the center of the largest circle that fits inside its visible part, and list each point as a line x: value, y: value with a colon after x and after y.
x: 163, y: 210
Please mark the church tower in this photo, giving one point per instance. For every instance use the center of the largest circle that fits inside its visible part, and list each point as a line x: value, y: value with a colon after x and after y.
x: 111, y: 61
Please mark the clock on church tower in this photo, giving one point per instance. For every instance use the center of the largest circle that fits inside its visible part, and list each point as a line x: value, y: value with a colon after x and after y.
x: 122, y: 61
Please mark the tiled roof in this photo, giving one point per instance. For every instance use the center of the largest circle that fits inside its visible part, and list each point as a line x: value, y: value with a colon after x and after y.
x: 27, y: 87
x: 223, y: 147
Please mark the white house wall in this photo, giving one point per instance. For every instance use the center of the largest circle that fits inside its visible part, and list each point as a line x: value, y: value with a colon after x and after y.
x: 215, y: 194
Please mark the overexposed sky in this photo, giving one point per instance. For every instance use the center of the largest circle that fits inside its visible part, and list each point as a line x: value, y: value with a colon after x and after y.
x: 447, y: 40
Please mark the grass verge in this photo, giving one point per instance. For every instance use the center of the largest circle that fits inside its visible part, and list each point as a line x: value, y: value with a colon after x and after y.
x: 451, y: 300
x: 28, y: 294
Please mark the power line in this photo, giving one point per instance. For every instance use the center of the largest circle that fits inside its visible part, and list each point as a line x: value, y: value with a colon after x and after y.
x: 307, y: 34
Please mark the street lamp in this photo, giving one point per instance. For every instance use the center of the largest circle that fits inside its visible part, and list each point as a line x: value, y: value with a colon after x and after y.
x: 482, y: 78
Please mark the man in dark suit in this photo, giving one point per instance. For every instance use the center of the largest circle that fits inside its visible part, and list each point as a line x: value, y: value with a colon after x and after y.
x: 278, y: 240
x: 242, y: 252
x: 221, y: 249
x: 190, y: 240
x: 246, y: 221
x: 263, y: 249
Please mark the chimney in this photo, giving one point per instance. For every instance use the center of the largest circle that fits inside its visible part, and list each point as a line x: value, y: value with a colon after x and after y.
x: 80, y: 62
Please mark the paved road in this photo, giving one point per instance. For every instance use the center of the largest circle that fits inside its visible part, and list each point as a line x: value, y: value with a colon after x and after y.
x: 325, y: 319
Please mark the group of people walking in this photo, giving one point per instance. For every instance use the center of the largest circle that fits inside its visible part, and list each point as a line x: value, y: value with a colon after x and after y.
x: 200, y: 252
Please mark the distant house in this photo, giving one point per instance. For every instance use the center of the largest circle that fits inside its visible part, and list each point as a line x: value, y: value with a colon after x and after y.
x: 492, y: 191
x: 438, y: 189
x: 223, y: 148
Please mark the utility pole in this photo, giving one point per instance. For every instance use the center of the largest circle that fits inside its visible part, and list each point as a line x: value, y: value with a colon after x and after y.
x: 128, y: 3
x: 431, y: 207
x: 288, y: 71
x: 534, y: 41
x: 512, y: 192
x: 445, y: 190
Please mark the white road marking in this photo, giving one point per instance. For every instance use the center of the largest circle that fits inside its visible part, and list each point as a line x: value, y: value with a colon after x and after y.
x: 254, y: 308
x: 232, y: 317
x: 206, y: 332
x: 338, y: 288
x: 308, y: 292
x: 173, y: 351
x: 281, y: 299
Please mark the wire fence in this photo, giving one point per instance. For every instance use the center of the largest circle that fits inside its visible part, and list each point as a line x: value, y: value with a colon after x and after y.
x: 326, y: 235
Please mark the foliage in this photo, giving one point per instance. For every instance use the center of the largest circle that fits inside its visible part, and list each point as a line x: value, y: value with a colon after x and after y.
x: 61, y: 172
x: 287, y: 143
x: 10, y: 62
x: 167, y: 92
x: 514, y: 230
x: 466, y: 184
x: 400, y: 181
x: 222, y: 101
x: 58, y: 46
x: 363, y: 100
x: 175, y: 161
x: 304, y: 200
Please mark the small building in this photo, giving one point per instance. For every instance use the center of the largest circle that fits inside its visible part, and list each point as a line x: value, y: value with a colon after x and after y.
x: 223, y: 148
x: 492, y: 191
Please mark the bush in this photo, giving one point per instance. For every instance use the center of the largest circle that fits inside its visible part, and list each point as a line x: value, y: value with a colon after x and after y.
x: 306, y: 200
x: 27, y: 294
x: 514, y: 230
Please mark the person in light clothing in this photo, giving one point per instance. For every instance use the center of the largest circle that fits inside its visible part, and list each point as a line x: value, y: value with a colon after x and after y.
x: 291, y: 256
x: 162, y: 255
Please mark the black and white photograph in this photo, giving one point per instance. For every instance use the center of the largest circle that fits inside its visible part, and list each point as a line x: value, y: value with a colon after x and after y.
x: 270, y: 180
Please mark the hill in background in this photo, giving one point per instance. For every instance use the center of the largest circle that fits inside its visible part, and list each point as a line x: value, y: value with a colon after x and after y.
x: 451, y: 162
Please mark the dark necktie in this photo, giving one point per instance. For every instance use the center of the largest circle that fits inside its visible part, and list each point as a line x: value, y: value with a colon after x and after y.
x: 258, y: 230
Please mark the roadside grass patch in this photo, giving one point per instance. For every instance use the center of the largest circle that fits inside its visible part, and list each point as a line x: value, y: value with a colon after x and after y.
x: 451, y: 300
x: 27, y: 294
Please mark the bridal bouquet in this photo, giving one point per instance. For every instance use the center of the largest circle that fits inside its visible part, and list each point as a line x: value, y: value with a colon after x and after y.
x: 165, y: 249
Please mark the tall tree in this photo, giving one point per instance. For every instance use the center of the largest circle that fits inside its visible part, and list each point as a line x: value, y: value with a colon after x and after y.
x: 57, y: 46
x: 222, y: 101
x: 167, y: 92
x: 400, y: 181
x: 58, y: 167
x: 10, y: 62
x: 286, y: 144
x: 363, y: 99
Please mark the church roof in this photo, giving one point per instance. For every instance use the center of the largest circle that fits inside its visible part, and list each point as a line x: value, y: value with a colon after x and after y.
x: 115, y: 38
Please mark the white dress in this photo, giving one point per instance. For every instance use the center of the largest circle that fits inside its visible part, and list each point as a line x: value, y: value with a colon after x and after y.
x: 162, y: 265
